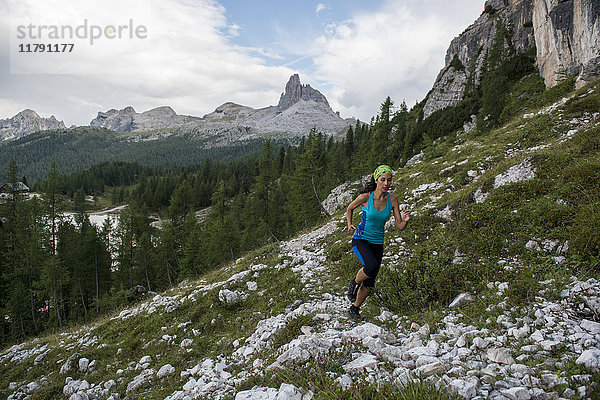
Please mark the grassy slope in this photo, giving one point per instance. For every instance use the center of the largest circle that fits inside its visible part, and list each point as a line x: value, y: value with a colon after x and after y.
x: 560, y: 203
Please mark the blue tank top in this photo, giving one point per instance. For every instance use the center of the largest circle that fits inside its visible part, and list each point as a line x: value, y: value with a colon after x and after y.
x: 373, y: 221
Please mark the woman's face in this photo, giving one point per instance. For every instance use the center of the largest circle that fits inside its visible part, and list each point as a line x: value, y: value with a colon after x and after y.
x: 384, y: 182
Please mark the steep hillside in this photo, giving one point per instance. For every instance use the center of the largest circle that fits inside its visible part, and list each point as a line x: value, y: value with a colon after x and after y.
x: 507, y: 220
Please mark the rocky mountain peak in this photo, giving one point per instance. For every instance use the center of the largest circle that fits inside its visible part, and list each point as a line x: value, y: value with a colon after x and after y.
x: 161, y: 111
x: 295, y: 91
x: 26, y: 122
x: 115, y: 120
x: 300, y: 109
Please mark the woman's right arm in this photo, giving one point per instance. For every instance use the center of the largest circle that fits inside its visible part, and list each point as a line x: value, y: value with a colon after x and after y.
x: 360, y: 200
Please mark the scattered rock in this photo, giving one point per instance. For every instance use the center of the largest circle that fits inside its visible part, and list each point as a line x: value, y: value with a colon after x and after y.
x: 500, y: 356
x: 359, y: 365
x: 83, y: 364
x: 517, y: 173
x: 231, y: 297
x: 70, y: 363
x: 461, y: 300
x: 143, y: 378
x: 590, y: 358
x: 165, y: 370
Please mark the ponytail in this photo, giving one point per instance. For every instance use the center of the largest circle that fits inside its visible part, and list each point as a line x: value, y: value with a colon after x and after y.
x: 369, y: 186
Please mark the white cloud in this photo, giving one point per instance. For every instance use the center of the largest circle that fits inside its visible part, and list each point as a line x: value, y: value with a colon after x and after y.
x: 9, y: 108
x: 187, y: 60
x: 396, y: 51
x: 320, y: 7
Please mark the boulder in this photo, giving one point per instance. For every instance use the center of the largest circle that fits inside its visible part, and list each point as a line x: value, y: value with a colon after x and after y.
x: 165, y: 370
x: 461, y: 300
x: 70, y: 363
x: 500, y: 356
x: 590, y: 358
x: 359, y: 365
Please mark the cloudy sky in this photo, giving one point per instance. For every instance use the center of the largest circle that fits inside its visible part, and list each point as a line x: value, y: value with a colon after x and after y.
x: 194, y: 55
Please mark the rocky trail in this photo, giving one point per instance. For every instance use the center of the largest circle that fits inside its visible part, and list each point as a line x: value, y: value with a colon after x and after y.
x: 476, y: 363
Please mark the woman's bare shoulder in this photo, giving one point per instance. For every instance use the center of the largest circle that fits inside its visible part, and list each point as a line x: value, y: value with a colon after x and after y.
x: 361, y: 199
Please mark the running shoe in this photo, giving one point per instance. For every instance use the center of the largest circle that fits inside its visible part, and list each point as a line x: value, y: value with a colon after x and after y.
x: 354, y: 312
x: 352, y: 290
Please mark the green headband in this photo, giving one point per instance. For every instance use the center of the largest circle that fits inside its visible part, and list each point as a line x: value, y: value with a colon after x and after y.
x: 382, y: 169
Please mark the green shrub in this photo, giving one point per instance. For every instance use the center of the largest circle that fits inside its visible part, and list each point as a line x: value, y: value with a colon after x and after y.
x: 316, y: 375
x: 579, y: 180
x: 585, y: 240
x: 578, y: 105
x: 538, y: 130
x: 428, y: 276
x: 586, y: 142
x: 336, y: 251
x: 485, y: 228
x: 291, y: 330
x: 525, y: 95
x: 562, y: 89
x: 523, y: 287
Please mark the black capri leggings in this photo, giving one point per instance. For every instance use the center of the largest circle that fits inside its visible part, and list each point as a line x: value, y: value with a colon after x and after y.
x: 370, y: 256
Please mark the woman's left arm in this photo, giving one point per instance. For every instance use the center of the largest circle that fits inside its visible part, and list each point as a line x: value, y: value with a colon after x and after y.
x: 400, y: 217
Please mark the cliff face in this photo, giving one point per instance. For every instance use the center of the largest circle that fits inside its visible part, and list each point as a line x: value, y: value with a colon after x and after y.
x: 295, y: 91
x: 566, y: 35
x: 128, y: 120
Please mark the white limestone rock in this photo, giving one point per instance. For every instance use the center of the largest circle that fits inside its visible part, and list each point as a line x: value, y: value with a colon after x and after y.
x: 517, y: 173
x: 285, y: 392
x: 436, y: 368
x: 461, y: 300
x: 591, y: 326
x: 359, y: 365
x: 467, y: 390
x: 517, y: 393
x: 70, y: 363
x: 500, y: 356
x: 143, y: 378
x: 83, y: 364
x: 231, y: 297
x: 590, y: 358
x: 165, y: 370
x: 145, y: 360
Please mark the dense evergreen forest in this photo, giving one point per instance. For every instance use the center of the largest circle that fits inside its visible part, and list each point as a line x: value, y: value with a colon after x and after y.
x: 55, y: 272
x: 79, y: 148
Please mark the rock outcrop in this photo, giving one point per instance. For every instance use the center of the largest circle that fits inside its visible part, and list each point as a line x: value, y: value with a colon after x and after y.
x: 295, y: 91
x: 26, y: 122
x: 566, y: 35
x: 128, y: 120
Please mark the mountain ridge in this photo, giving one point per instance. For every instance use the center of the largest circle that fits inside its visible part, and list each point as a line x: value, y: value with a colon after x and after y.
x: 310, y: 110
x: 25, y: 123
x: 228, y: 123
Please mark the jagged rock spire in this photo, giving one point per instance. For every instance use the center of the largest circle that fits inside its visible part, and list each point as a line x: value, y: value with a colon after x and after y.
x: 295, y: 91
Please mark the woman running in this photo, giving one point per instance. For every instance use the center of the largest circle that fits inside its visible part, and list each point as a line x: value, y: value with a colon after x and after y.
x: 367, y: 240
